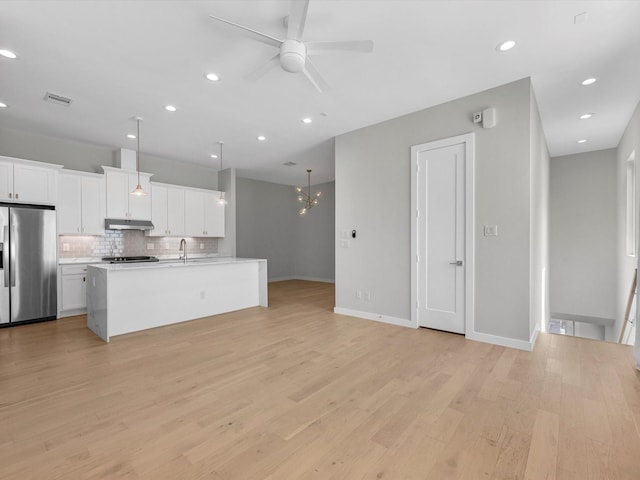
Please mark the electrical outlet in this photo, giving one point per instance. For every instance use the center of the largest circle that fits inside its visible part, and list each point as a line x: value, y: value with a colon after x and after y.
x: 202, y: 246
x: 166, y: 246
x: 65, y: 247
x: 490, y: 230
x: 359, y: 294
x: 367, y: 296
x: 150, y: 246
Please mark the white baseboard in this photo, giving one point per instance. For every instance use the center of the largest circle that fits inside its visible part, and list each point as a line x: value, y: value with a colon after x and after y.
x: 505, y: 341
x: 298, y: 277
x: 403, y: 322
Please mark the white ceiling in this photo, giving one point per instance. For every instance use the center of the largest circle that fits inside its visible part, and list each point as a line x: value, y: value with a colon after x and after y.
x: 117, y: 59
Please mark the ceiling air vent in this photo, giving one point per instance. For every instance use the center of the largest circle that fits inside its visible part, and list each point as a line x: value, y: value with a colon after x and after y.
x: 290, y: 164
x: 57, y: 99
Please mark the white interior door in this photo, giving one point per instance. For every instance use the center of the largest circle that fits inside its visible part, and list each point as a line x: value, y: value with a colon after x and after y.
x: 441, y: 238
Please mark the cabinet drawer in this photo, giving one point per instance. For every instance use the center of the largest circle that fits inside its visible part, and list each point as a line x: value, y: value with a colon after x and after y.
x: 74, y: 269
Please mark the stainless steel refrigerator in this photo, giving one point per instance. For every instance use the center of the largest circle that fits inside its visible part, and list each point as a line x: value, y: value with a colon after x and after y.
x: 28, y: 290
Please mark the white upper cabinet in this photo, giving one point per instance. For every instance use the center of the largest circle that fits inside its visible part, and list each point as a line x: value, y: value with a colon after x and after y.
x: 167, y: 210
x: 204, y: 216
x: 25, y: 181
x: 120, y: 203
x: 81, y: 205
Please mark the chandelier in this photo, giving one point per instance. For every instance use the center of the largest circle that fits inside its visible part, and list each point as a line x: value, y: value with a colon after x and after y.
x: 306, y: 198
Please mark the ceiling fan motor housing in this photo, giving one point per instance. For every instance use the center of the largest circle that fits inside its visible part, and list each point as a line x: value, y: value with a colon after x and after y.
x: 292, y: 55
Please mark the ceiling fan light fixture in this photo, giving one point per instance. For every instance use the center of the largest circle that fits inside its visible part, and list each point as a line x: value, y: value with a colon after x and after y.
x: 292, y: 56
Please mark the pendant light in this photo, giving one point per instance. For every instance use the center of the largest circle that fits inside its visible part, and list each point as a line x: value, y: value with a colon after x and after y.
x: 138, y: 191
x: 306, y: 198
x: 221, y: 199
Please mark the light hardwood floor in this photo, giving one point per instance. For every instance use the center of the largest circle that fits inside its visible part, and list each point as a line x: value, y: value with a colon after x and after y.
x: 296, y: 392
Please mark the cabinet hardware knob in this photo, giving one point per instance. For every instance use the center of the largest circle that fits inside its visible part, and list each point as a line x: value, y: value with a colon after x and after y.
x: 10, y: 195
x: 84, y: 279
x: 17, y: 195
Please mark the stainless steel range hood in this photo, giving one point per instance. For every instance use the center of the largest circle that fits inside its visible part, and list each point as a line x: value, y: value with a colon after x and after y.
x: 124, y: 224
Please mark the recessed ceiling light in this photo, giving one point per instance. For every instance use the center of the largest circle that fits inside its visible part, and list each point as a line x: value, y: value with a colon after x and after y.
x: 584, y: 140
x: 212, y: 76
x: 307, y: 120
x: 213, y: 155
x: 170, y: 108
x: 261, y: 138
x: 504, y: 46
x: 131, y: 135
x: 586, y: 116
x: 3, y: 105
x: 589, y: 81
x: 8, y: 54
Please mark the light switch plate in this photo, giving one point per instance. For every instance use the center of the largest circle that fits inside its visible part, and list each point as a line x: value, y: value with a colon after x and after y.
x: 150, y: 246
x: 65, y: 247
x: 490, y: 230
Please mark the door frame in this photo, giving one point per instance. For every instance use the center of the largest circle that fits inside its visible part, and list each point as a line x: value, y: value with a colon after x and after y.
x: 469, y: 212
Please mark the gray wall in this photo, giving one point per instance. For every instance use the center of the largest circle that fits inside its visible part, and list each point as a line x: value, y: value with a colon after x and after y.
x: 373, y: 196
x: 268, y: 226
x: 88, y: 158
x: 583, y: 235
x: 629, y: 143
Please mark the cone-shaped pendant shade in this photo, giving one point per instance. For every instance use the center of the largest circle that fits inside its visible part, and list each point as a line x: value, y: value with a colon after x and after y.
x: 138, y: 191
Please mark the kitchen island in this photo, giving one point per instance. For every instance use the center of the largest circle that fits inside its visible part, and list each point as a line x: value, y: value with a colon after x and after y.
x: 125, y: 298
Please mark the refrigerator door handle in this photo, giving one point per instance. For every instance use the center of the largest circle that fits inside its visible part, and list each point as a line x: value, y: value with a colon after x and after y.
x: 5, y: 254
x: 12, y: 264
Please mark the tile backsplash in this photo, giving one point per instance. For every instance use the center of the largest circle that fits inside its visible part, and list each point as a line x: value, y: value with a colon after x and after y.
x: 130, y: 243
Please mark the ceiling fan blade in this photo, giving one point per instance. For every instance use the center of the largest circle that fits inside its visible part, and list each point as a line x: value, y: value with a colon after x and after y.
x: 315, y: 48
x: 261, y: 37
x: 260, y: 72
x: 311, y: 72
x: 297, y: 19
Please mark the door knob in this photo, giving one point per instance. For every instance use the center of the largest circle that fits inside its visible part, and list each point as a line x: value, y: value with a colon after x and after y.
x: 457, y: 263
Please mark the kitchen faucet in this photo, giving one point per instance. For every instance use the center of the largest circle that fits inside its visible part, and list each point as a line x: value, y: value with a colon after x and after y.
x: 183, y: 247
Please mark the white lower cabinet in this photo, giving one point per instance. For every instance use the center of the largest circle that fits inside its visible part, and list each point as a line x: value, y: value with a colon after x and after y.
x: 72, y: 290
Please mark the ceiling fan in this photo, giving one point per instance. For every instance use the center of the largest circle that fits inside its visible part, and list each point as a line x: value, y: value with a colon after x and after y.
x: 294, y: 53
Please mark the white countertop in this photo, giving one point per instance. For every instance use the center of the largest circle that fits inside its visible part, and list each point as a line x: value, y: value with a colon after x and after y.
x: 162, y: 259
x: 195, y: 262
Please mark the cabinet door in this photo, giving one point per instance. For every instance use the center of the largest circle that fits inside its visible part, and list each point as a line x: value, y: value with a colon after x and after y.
x: 69, y: 206
x: 93, y: 211
x: 139, y: 207
x: 117, y: 194
x: 214, y: 215
x: 159, y: 211
x: 175, y: 211
x: 194, y: 213
x: 74, y: 292
x: 34, y: 184
x: 6, y: 180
